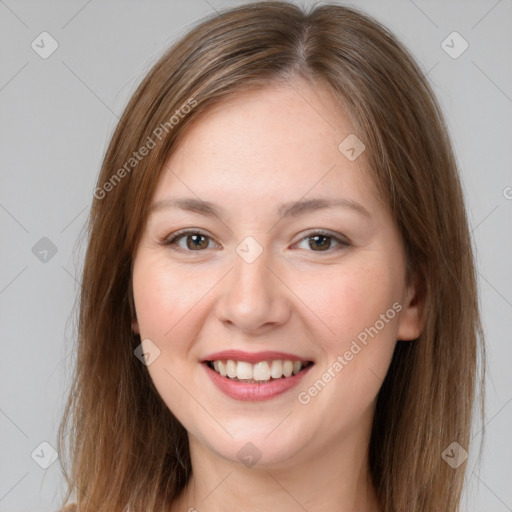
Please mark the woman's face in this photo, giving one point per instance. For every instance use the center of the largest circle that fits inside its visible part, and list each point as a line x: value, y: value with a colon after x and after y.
x: 285, y: 255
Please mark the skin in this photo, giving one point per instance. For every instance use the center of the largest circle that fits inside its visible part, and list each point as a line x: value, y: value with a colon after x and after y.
x: 248, y: 155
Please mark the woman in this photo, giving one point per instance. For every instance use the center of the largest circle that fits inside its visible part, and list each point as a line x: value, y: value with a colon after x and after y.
x: 279, y: 304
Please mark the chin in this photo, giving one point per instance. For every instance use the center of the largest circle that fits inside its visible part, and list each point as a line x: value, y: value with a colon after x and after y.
x: 256, y: 449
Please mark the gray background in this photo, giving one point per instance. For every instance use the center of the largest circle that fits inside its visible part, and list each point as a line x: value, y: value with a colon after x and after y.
x: 57, y: 115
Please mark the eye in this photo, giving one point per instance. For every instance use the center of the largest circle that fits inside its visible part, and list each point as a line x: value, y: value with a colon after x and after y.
x: 318, y: 241
x: 194, y: 240
x: 321, y: 241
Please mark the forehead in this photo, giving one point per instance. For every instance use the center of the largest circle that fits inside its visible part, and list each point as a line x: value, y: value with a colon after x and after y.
x: 280, y: 142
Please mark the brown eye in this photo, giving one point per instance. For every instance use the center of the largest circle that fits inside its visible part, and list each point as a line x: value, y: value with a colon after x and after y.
x: 194, y: 241
x: 321, y: 242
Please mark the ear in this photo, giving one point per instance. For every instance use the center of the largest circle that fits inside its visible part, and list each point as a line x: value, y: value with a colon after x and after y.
x: 412, y: 321
x: 135, y: 327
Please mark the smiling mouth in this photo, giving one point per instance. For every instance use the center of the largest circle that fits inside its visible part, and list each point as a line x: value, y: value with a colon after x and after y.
x: 258, y: 373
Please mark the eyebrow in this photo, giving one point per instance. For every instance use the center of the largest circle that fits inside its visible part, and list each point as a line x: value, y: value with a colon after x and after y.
x: 289, y: 209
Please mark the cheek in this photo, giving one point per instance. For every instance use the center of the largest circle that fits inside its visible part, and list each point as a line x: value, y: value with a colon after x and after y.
x: 351, y: 298
x: 357, y: 305
x: 162, y: 295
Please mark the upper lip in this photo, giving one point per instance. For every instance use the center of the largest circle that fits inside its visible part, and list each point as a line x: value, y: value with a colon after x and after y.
x: 254, y: 357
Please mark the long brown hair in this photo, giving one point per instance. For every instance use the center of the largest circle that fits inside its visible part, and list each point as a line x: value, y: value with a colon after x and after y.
x: 126, y: 449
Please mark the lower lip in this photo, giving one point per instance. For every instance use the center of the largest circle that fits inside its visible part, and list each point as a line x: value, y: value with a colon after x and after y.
x: 254, y: 391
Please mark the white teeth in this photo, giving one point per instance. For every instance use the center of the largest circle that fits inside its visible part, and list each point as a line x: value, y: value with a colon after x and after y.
x: 231, y: 368
x: 261, y: 371
x: 276, y: 370
x: 222, y: 368
x: 287, y: 368
x: 243, y: 370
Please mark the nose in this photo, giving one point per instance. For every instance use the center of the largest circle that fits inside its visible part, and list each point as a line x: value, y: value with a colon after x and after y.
x: 252, y: 298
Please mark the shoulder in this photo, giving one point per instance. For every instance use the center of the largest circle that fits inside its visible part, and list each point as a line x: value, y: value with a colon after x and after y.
x: 72, y: 507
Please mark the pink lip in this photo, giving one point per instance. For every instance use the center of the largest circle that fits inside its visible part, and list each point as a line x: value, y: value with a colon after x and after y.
x: 239, y: 355
x: 254, y: 391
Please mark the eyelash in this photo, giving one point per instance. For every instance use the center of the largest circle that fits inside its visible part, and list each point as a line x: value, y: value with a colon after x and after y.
x: 342, y: 243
